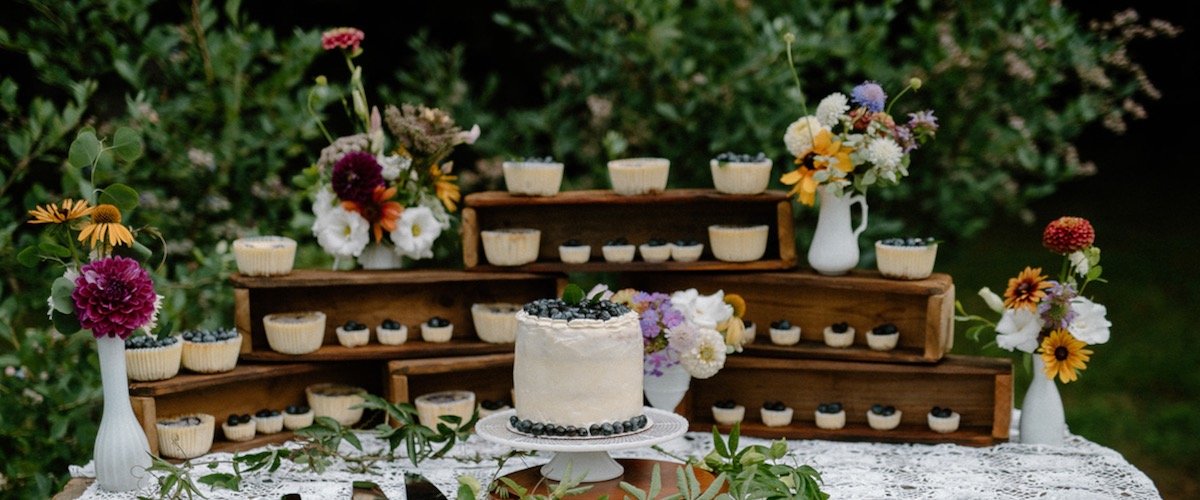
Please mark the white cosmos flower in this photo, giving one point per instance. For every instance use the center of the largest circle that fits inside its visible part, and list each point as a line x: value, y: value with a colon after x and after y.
x: 1079, y: 262
x: 415, y: 233
x: 324, y: 201
x: 707, y: 356
x: 149, y: 327
x: 886, y: 154
x: 993, y: 301
x: 1091, y: 324
x: 706, y: 311
x: 800, y: 134
x: 1019, y: 328
x: 831, y: 109
x: 342, y: 233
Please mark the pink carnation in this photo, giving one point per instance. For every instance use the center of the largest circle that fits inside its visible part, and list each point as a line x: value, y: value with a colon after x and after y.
x: 113, y: 297
x: 342, y: 38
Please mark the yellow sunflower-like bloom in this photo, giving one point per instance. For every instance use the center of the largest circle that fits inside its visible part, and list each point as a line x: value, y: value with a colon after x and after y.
x: 1064, y: 356
x: 106, y: 222
x: 447, y: 191
x: 825, y: 152
x: 69, y: 210
x: 1026, y: 290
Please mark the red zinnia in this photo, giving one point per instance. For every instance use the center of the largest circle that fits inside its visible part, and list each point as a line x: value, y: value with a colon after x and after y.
x: 342, y: 38
x: 1068, y: 235
x: 113, y: 297
x: 355, y: 177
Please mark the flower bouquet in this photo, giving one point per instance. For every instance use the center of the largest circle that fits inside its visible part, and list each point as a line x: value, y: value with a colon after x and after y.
x: 379, y: 198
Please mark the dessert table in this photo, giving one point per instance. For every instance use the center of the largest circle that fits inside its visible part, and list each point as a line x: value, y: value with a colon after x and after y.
x: 1080, y: 469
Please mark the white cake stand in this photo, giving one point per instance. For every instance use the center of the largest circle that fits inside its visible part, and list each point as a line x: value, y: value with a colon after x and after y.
x: 588, y: 455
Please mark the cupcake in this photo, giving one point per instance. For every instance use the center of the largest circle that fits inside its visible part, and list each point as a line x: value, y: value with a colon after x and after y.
x: 906, y: 258
x: 264, y: 255
x: 496, y: 323
x: 687, y: 250
x: 574, y: 252
x: 297, y: 417
x: 511, y: 247
x: 776, y: 414
x: 336, y: 401
x: 353, y: 334
x: 783, y: 332
x: 490, y: 406
x: 431, y: 407
x: 268, y: 421
x: 943, y: 420
x: 300, y: 332
x: 738, y: 243
x: 749, y: 330
x: 830, y: 416
x: 533, y: 176
x: 728, y: 412
x: 391, y: 332
x: 211, y: 351
x: 437, y: 329
x: 148, y: 358
x: 637, y: 176
x: 839, y: 335
x: 883, y: 418
x: 186, y: 436
x: 655, y: 250
x: 295, y: 332
x: 734, y: 173
x: 238, y: 428
x: 883, y: 337
x: 618, y: 250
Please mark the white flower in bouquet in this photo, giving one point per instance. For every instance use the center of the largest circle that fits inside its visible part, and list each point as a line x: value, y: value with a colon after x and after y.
x: 342, y: 233
x: 416, y: 230
x: 831, y: 109
x: 707, y: 356
x: 324, y: 202
x: 1019, y: 329
x: 706, y: 311
x: 393, y: 165
x: 1091, y: 324
x: 799, y: 135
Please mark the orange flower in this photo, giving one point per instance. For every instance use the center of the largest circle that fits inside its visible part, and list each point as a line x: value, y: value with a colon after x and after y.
x: 106, y: 221
x: 1026, y: 290
x: 825, y: 152
x: 446, y: 189
x: 1064, y: 355
x: 381, y: 213
x: 70, y: 210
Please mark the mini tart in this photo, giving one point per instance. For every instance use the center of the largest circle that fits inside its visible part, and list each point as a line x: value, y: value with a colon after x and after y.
x: 353, y: 338
x: 655, y: 253
x: 295, y: 332
x: 738, y: 243
x: 211, y: 357
x: 294, y: 421
x: 883, y: 423
x: 882, y: 342
x: 831, y: 421
x: 336, y: 401
x: 943, y: 425
x: 148, y: 364
x: 483, y: 412
x: 687, y: 253
x: 575, y: 254
x: 241, y: 432
x: 749, y: 332
x: 729, y: 416
x: 905, y: 262
x: 185, y: 436
x: 619, y: 253
x: 432, y: 406
x: 268, y: 425
x: 264, y: 255
x: 776, y: 418
x: 533, y: 178
x: 835, y: 339
x: 436, y: 333
x: 638, y: 176
x: 790, y: 336
x: 511, y: 247
x: 496, y: 323
x: 388, y: 336
x: 735, y: 177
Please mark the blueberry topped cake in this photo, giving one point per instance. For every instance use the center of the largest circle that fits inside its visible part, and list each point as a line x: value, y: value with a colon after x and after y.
x: 297, y: 417
x: 728, y: 412
x: 687, y: 250
x: 783, y: 332
x: 353, y: 334
x: 906, y: 258
x: 883, y: 418
x: 437, y: 329
x: 150, y: 358
x: 830, y: 416
x: 239, y: 428
x: 883, y: 337
x: 655, y: 250
x: 839, y: 335
x: 943, y: 420
x: 618, y: 250
x: 776, y: 414
x: 211, y: 351
x: 574, y: 251
x: 391, y: 332
x: 735, y: 173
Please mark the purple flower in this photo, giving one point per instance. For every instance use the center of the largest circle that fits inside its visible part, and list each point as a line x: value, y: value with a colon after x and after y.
x: 355, y: 177
x: 869, y: 95
x: 1055, y: 308
x: 923, y: 124
x: 113, y: 297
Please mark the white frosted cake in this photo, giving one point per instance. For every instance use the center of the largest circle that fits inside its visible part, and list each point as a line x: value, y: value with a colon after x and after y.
x: 578, y: 377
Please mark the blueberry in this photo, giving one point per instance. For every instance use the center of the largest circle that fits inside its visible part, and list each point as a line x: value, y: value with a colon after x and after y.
x: 727, y: 404
x: 840, y: 327
x: 244, y: 418
x: 885, y: 329
x: 263, y: 413
x: 233, y: 419
x: 877, y: 409
x: 889, y: 411
x: 594, y: 429
x: 525, y: 426
x: 606, y: 429
x: 782, y: 324
x: 835, y: 407
x: 687, y: 242
x: 537, y: 429
x: 438, y: 321
x: 656, y: 242
x: 823, y: 408
x: 572, y: 243
x: 616, y: 241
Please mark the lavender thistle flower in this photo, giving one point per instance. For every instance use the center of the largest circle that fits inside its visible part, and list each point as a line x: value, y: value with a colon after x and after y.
x: 1055, y: 308
x: 869, y: 95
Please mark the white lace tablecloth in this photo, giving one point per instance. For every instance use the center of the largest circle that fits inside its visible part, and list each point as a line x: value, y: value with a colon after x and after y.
x: 1080, y: 469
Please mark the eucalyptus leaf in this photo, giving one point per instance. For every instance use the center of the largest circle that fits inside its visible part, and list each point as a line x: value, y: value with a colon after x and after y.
x: 84, y: 149
x: 120, y: 195
x: 60, y: 295
x: 127, y: 144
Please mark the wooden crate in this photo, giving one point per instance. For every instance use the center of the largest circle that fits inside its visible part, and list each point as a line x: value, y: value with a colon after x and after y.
x: 979, y: 389
x: 596, y: 216
x: 490, y: 377
x: 408, y: 296
x: 923, y: 310
x: 244, y: 390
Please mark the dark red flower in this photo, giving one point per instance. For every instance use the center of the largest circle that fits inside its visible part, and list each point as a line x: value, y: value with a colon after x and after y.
x: 1068, y: 235
x: 355, y: 177
x: 113, y: 297
x: 342, y: 38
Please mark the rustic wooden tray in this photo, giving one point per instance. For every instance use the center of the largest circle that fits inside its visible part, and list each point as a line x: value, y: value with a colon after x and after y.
x: 244, y: 390
x: 596, y: 216
x: 408, y: 296
x: 490, y: 377
x: 979, y: 389
x: 923, y: 310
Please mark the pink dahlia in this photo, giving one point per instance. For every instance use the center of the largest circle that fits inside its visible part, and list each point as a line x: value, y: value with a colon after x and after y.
x: 355, y: 177
x: 1068, y: 235
x: 113, y: 297
x: 342, y: 38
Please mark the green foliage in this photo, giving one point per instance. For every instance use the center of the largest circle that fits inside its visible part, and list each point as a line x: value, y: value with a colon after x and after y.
x: 754, y: 472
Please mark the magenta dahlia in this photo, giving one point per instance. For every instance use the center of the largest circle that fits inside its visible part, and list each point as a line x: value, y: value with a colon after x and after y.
x: 342, y: 38
x: 113, y: 297
x: 355, y: 177
x: 1068, y: 235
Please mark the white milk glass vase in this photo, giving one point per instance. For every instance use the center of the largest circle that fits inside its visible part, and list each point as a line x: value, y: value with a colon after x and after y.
x: 834, y: 249
x: 380, y: 256
x: 1042, y: 418
x: 122, y: 453
x: 666, y: 391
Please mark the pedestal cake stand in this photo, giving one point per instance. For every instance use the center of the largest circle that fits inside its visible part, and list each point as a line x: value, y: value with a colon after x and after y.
x: 588, y: 455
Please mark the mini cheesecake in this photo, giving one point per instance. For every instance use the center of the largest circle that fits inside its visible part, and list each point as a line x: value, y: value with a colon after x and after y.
x: 686, y: 251
x: 618, y: 250
x: 776, y: 414
x: 297, y: 417
x: 943, y: 420
x: 830, y: 416
x: 784, y: 333
x: 431, y: 407
x: 336, y: 401
x: 437, y: 329
x: 574, y: 252
x: 353, y: 334
x: 211, y: 351
x: 883, y: 418
x: 268, y: 421
x: 186, y: 436
x: 295, y: 332
x: 238, y: 428
x: 655, y: 250
x: 839, y: 335
x: 496, y: 322
x: 883, y: 337
x: 728, y: 412
x: 391, y: 332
